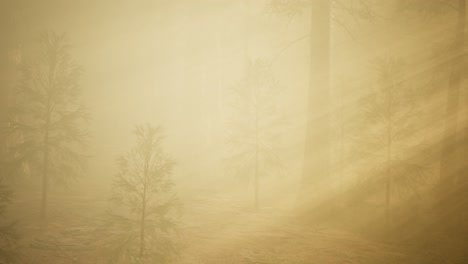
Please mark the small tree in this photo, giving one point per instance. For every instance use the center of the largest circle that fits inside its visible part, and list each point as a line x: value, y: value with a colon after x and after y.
x: 254, y: 125
x: 8, y: 233
x: 389, y: 119
x: 141, y: 228
x: 45, y: 126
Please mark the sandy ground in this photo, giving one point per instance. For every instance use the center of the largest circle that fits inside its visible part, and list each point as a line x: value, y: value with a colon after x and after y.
x: 216, y: 228
x: 222, y: 231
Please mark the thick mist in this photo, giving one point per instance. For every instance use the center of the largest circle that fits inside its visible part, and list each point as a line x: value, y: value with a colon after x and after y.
x: 216, y: 131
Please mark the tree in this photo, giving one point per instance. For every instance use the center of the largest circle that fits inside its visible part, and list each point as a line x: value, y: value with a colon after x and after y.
x: 45, y: 123
x: 317, y: 142
x: 340, y: 127
x: 388, y: 116
x: 142, y: 229
x: 9, y: 248
x: 451, y: 165
x: 8, y: 48
x: 254, y: 125
x: 317, y: 151
x: 450, y: 64
x: 8, y: 233
x: 10, y: 56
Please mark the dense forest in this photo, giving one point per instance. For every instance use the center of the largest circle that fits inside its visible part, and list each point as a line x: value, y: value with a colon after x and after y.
x: 233, y: 131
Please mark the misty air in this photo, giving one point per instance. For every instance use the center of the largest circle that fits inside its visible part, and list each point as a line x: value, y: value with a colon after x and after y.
x: 233, y: 131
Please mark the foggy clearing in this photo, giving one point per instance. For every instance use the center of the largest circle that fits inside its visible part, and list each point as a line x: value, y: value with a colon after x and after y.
x: 246, y: 131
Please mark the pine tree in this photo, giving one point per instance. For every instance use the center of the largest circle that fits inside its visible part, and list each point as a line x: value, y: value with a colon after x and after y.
x: 254, y: 125
x: 389, y: 119
x: 45, y: 124
x: 144, y: 219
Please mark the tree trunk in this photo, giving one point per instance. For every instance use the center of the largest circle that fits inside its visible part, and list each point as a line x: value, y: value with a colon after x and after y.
x: 451, y: 158
x: 45, y: 175
x: 246, y: 37
x: 463, y: 180
x: 256, y: 180
x: 388, y: 180
x: 342, y: 135
x: 449, y: 154
x: 142, y: 224
x: 317, y: 142
x: 463, y: 67
x: 143, y: 206
x: 246, y: 76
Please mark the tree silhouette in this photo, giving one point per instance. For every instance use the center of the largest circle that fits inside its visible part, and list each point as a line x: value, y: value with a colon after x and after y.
x: 254, y: 125
x: 45, y: 124
x: 388, y: 116
x: 144, y: 220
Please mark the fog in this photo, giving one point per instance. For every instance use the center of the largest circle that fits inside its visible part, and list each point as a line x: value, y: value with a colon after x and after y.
x: 247, y: 131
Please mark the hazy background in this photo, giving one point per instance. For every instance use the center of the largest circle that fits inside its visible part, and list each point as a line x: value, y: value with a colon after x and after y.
x: 174, y: 63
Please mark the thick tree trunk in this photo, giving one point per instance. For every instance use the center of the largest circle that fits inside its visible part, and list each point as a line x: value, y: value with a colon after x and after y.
x: 246, y: 37
x: 317, y: 142
x: 256, y: 180
x: 246, y: 74
x: 342, y: 135
x: 464, y: 153
x: 450, y: 160
x: 452, y: 183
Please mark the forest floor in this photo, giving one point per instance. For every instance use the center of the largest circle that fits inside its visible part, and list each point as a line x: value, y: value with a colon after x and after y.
x: 215, y: 229
x: 221, y: 230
